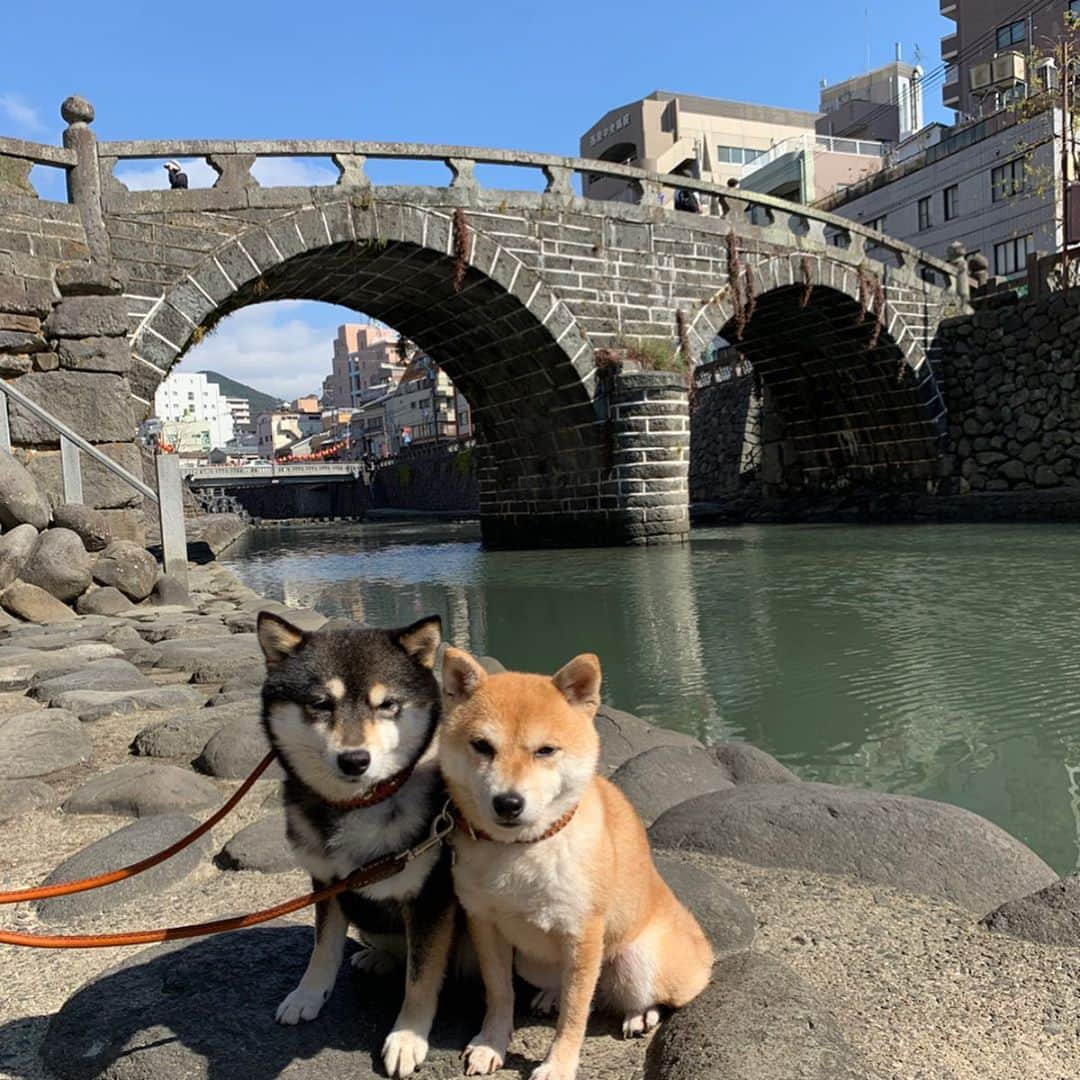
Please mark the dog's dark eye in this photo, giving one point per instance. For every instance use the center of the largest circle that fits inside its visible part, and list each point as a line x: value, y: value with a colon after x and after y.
x: 321, y: 704
x: 390, y: 708
x: 483, y: 748
x: 546, y: 751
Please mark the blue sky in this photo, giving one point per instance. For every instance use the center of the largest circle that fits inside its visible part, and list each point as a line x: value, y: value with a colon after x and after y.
x: 490, y: 73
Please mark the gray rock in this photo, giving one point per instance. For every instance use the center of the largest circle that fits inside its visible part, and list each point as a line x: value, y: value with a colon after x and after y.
x: 214, y: 659
x: 912, y: 844
x: 235, y: 750
x: 185, y: 736
x: 112, y: 675
x: 41, y: 742
x: 261, y: 846
x: 59, y: 564
x: 34, y: 605
x: 723, y: 914
x: 1050, y: 916
x: 88, y: 316
x: 127, y: 567
x: 21, y: 796
x: 15, y: 548
x: 218, y: 531
x: 23, y: 667
x: 90, y: 705
x: 101, y: 489
x: 171, y: 590
x: 21, y: 501
x: 130, y: 844
x: 96, y: 354
x: 665, y: 776
x: 756, y: 1020
x: 623, y: 736
x: 175, y: 1011
x: 143, y: 789
x: 91, y: 525
x: 746, y: 764
x: 96, y: 405
x: 104, y: 601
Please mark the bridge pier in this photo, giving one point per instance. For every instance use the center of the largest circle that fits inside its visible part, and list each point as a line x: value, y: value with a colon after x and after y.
x: 632, y: 488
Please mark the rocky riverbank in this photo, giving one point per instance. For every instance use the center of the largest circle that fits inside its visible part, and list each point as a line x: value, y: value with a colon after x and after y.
x: 847, y: 922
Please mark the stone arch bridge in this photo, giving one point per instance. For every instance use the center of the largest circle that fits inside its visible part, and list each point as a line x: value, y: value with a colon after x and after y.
x: 536, y: 303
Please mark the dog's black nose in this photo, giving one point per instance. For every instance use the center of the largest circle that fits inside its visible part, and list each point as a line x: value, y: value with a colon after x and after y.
x: 353, y: 762
x: 508, y: 805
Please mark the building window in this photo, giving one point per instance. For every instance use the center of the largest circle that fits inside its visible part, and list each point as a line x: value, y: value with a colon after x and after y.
x: 736, y: 155
x: 1011, y: 257
x: 1011, y: 34
x: 878, y: 224
x: 1008, y: 180
x: 926, y: 215
x: 951, y: 198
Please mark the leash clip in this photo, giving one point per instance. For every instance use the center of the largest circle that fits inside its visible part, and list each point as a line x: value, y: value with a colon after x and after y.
x: 441, y: 828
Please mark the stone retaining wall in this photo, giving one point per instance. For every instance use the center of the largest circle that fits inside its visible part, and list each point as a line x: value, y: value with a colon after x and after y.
x: 424, y: 481
x: 723, y: 464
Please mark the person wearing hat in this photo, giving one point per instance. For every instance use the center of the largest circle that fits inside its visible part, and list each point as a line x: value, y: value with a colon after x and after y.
x: 177, y: 177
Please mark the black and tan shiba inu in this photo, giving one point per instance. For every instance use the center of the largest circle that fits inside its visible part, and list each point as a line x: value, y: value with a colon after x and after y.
x: 352, y: 715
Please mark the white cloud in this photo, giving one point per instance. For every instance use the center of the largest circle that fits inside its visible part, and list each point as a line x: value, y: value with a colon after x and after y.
x: 277, y: 348
x: 143, y: 175
x: 19, y: 112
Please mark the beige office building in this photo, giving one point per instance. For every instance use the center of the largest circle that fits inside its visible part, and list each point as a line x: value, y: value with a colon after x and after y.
x: 362, y: 353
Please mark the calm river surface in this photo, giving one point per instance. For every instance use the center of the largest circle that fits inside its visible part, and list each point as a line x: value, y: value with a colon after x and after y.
x: 939, y: 661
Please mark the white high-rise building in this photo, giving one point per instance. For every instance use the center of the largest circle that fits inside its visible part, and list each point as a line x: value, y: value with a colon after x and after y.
x: 188, y: 395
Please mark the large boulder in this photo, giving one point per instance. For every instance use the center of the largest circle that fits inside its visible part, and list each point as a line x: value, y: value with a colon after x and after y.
x: 21, y: 796
x: 185, y: 735
x: 623, y: 736
x: 721, y: 912
x: 21, y: 501
x: 91, y: 525
x: 59, y: 564
x: 136, y: 841
x: 236, y: 749
x: 912, y: 844
x: 106, y: 600
x: 665, y: 776
x: 34, y: 604
x: 127, y: 567
x: 744, y: 763
x: 1050, y: 916
x: 213, y: 659
x: 38, y: 743
x: 15, y: 548
x: 756, y: 1020
x: 261, y: 846
x: 143, y: 789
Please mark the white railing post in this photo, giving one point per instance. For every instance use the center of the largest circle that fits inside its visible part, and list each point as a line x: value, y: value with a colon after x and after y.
x: 71, y: 471
x: 171, y: 516
x: 5, y: 425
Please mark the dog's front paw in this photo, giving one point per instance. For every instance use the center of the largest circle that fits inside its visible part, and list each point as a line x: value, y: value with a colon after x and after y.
x: 550, y: 1071
x: 301, y: 1004
x: 481, y: 1059
x: 371, y: 961
x: 404, y: 1052
x: 635, y: 1024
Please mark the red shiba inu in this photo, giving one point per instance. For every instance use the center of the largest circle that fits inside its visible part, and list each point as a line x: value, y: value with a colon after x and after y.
x: 553, y: 867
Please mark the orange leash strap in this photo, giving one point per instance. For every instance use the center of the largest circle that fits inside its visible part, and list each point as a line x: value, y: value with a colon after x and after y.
x: 368, y: 874
x: 66, y: 888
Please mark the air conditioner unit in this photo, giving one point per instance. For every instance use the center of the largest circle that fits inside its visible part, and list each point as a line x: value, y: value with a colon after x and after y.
x: 980, y: 76
x: 1046, y: 74
x: 1009, y: 69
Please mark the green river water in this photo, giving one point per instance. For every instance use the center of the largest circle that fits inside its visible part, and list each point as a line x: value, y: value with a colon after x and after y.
x: 941, y: 661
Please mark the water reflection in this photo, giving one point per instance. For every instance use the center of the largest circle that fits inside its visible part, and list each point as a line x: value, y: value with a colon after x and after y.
x: 935, y: 661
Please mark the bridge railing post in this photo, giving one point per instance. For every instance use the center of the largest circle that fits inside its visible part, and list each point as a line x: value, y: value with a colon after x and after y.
x: 84, y: 177
x: 171, y: 515
x: 71, y: 471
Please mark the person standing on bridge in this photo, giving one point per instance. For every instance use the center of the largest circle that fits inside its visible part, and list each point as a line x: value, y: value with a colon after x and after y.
x: 177, y: 176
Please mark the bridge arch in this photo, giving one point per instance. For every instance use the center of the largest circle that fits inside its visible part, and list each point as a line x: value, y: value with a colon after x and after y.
x: 845, y: 388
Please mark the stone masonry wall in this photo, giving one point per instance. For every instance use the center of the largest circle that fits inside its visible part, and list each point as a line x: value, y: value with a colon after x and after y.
x: 426, y: 481
x: 1008, y: 374
x: 719, y: 470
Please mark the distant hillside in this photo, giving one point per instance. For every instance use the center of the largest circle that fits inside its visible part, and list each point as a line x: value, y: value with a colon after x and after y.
x: 258, y: 401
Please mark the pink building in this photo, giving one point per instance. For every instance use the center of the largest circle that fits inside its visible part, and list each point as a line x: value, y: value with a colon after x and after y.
x: 363, y: 356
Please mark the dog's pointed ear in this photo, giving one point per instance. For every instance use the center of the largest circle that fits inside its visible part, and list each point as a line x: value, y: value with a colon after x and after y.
x: 422, y: 639
x: 277, y: 637
x: 579, y: 681
x: 461, y: 674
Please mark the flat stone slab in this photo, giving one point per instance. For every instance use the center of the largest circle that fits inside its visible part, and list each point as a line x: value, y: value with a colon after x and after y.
x: 1050, y: 916
x: 21, y: 796
x: 41, y: 742
x: 90, y: 705
x: 136, y: 841
x: 234, y: 751
x: 723, y: 914
x: 623, y: 736
x: 261, y: 846
x: 665, y: 776
x: 143, y: 789
x: 756, y: 1020
x: 213, y: 659
x: 111, y: 675
x: 912, y: 844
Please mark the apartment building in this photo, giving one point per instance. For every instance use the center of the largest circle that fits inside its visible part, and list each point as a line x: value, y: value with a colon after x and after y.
x: 276, y: 432
x: 241, y: 412
x: 188, y: 396
x: 361, y: 353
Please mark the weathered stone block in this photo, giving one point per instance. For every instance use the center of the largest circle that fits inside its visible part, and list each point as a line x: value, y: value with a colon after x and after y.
x: 88, y: 316
x: 89, y: 279
x: 96, y: 354
x: 26, y: 324
x: 15, y: 364
x: 97, y: 406
x: 101, y: 489
x: 20, y: 341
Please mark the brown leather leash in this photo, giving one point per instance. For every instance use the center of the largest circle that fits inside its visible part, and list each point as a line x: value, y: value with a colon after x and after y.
x: 369, y: 874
